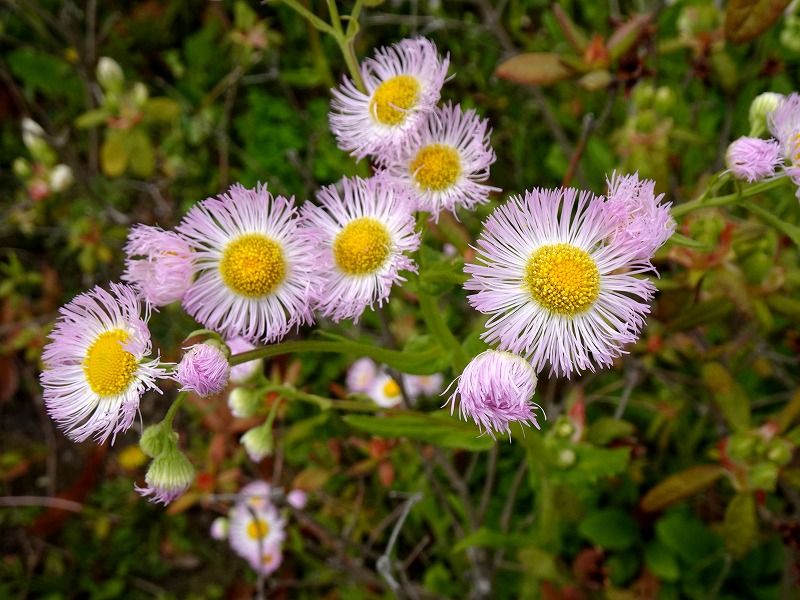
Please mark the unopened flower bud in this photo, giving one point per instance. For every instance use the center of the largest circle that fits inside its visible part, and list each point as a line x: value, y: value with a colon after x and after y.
x: 244, y: 402
x: 297, y: 499
x: 170, y: 474
x: 258, y: 442
x: 60, y: 178
x: 204, y: 370
x: 753, y: 159
x: 21, y: 168
x: 760, y: 108
x: 220, y: 528
x: 109, y: 74
x: 140, y: 94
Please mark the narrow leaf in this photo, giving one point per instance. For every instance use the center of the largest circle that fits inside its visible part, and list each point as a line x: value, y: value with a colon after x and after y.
x: 680, y: 486
x: 728, y: 396
x: 534, y: 68
x: 747, y: 19
x: 434, y: 428
x: 740, y: 527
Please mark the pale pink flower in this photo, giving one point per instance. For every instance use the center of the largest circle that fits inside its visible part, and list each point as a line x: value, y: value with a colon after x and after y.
x: 204, y: 370
x: 158, y: 264
x: 753, y: 159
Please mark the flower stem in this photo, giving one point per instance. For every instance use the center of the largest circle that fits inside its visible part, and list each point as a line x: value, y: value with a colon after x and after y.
x: 418, y: 363
x: 173, y: 409
x: 435, y: 321
x: 323, y: 403
x: 702, y: 202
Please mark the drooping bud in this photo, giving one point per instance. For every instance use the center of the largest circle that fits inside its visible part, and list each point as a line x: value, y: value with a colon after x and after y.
x: 761, y: 106
x: 170, y: 474
x: 753, y: 159
x: 258, y: 442
x: 244, y: 402
x: 109, y: 74
x: 60, y: 178
x: 204, y: 369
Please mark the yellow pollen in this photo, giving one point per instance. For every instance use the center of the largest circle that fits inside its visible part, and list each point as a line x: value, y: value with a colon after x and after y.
x: 392, y: 99
x: 562, y: 278
x: 252, y: 265
x: 391, y: 389
x: 362, y: 246
x: 109, y: 368
x: 258, y: 529
x: 436, y: 167
x: 266, y: 559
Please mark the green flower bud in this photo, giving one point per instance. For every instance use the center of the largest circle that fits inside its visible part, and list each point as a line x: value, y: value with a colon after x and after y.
x: 258, y: 442
x: 563, y: 428
x: 21, y: 168
x: 139, y: 94
x: 664, y: 100
x: 156, y: 439
x: 779, y: 451
x: 763, y: 476
x: 109, y: 74
x: 741, y: 446
x: 60, y: 178
x: 566, y: 458
x: 244, y: 402
x: 760, y: 107
x: 169, y: 475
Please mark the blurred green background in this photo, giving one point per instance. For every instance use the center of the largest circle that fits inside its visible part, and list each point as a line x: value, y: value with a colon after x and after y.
x: 672, y: 475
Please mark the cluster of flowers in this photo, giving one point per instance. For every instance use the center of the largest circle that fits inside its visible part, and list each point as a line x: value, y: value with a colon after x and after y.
x: 753, y: 158
x: 366, y: 377
x: 254, y: 527
x: 558, y: 271
x: 43, y: 176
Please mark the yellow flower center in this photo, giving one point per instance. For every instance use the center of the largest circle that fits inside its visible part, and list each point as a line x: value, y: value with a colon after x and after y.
x: 562, y: 278
x: 392, y: 99
x: 362, y: 246
x: 391, y: 389
x: 258, y: 529
x: 109, y: 368
x: 253, y: 265
x: 436, y: 167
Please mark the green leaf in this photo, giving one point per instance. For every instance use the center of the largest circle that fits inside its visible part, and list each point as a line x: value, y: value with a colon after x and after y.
x: 426, y: 344
x: 114, y: 153
x: 740, y: 527
x: 626, y: 35
x: 611, y: 528
x: 607, y: 429
x: 785, y: 305
x: 540, y: 564
x: 534, y: 68
x: 789, y: 230
x: 162, y: 109
x: 728, y: 396
x: 43, y: 72
x: 437, y: 428
x: 91, y: 118
x: 788, y: 413
x: 596, y: 463
x: 701, y: 313
x: 680, y: 486
x: 748, y: 19
x: 661, y: 562
x: 681, y: 240
x: 142, y: 155
x: 687, y: 537
x: 487, y: 538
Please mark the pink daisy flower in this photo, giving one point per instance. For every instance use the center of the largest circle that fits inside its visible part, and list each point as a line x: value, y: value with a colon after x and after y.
x: 558, y: 280
x: 268, y: 560
x: 158, y: 264
x: 423, y: 385
x: 784, y: 124
x: 403, y: 83
x: 253, y: 530
x: 255, y: 274
x: 495, y: 390
x: 643, y: 223
x: 753, y: 159
x: 204, y: 370
x: 95, y: 364
x: 361, y: 375
x: 360, y: 237
x: 445, y: 164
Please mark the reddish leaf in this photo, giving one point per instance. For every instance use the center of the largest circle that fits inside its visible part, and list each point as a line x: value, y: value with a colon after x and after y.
x: 596, y: 53
x: 626, y: 35
x: 681, y: 485
x: 534, y: 68
x: 747, y: 19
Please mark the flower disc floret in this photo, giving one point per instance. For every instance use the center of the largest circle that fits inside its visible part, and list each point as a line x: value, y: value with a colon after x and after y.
x: 253, y: 265
x: 436, y: 167
x: 393, y: 98
x: 562, y: 278
x: 362, y: 246
x: 108, y: 366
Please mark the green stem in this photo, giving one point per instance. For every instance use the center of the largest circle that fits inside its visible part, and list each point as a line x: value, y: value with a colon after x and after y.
x: 416, y: 363
x: 434, y: 319
x: 702, y: 202
x: 173, y: 409
x: 323, y: 403
x: 350, y: 59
